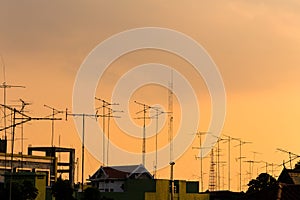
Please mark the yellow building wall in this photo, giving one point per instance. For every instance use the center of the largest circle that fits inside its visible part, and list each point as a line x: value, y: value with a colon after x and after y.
x: 162, y: 192
x: 40, y: 184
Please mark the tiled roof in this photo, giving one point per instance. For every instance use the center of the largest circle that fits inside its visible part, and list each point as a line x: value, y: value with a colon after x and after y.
x: 290, y: 176
x: 119, y: 172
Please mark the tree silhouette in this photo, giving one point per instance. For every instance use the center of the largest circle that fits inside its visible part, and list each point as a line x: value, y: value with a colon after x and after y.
x: 21, y: 191
x: 62, y: 190
x: 262, y: 182
x: 91, y: 193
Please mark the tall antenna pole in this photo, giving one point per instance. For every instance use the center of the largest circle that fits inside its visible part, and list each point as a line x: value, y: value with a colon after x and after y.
x: 145, y: 108
x: 158, y: 112
x: 240, y: 158
x: 82, y: 153
x: 109, y: 115
x: 170, y: 111
x: 212, y: 181
x: 5, y: 86
x: 201, y: 156
x: 54, y: 112
x: 83, y: 115
x: 229, y: 141
x: 104, y: 106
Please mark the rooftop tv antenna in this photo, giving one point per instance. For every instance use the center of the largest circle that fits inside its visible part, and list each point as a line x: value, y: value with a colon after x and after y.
x: 23, y: 119
x: 212, y: 180
x: 22, y: 127
x: 229, y: 138
x: 4, y: 86
x: 158, y: 112
x: 292, y: 156
x: 83, y: 116
x: 54, y: 112
x: 241, y: 143
x: 218, y: 162
x: 170, y: 116
x: 144, y: 111
x: 199, y: 134
x: 108, y: 114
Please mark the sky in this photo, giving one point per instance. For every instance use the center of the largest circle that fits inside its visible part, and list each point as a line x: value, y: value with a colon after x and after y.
x: 255, y: 45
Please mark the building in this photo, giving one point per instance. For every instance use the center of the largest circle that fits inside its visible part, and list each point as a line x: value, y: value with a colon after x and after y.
x: 290, y: 176
x: 113, y: 178
x: 135, y: 182
x: 48, y: 163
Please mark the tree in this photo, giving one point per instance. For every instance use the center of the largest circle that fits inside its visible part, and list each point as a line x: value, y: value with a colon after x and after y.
x: 262, y: 182
x: 29, y: 191
x: 62, y: 190
x: 22, y: 191
x: 91, y: 193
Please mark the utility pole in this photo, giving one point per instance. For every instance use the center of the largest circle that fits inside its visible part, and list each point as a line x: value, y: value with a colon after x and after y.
x: 82, y: 115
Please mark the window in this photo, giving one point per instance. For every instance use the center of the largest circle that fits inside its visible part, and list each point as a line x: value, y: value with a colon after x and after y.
x: 106, y: 190
x: 111, y: 189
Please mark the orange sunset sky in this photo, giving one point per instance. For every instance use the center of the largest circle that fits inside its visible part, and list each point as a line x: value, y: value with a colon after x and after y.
x: 255, y: 44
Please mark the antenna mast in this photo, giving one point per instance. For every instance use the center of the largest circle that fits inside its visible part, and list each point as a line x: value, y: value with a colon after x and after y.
x: 145, y: 108
x: 105, y: 105
x: 83, y: 116
x: 212, y: 180
x: 170, y: 115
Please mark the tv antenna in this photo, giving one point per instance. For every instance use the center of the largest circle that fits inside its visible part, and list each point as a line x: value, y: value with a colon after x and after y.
x: 199, y: 134
x: 229, y: 138
x: 241, y: 143
x: 24, y: 118
x: 54, y: 112
x: 105, y: 106
x: 158, y: 112
x: 83, y: 116
x: 292, y: 156
x: 144, y: 111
